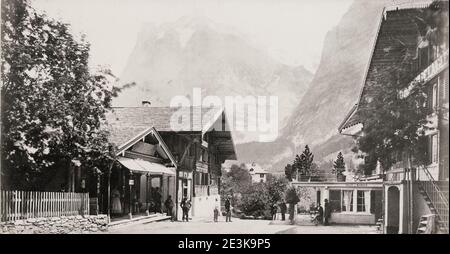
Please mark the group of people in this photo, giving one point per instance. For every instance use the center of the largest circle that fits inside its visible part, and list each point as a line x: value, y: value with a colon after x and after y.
x: 283, y: 209
x: 227, y: 210
x: 322, y: 215
x: 185, y: 205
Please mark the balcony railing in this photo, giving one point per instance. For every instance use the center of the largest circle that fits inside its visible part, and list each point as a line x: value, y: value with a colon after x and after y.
x: 201, y: 166
x: 436, y: 196
x: 408, y: 5
x: 430, y: 72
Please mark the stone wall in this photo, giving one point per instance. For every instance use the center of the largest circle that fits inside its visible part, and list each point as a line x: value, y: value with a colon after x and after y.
x: 57, y: 225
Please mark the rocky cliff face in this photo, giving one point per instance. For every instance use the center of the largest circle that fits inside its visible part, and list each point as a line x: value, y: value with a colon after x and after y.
x: 174, y: 58
x: 333, y: 91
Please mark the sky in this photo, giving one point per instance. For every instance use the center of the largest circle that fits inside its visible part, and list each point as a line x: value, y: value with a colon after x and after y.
x: 291, y: 31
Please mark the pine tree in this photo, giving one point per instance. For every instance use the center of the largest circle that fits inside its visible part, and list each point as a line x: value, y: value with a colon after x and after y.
x: 303, y: 164
x: 339, y: 164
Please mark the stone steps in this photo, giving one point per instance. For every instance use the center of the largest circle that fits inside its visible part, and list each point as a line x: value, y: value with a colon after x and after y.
x: 140, y: 220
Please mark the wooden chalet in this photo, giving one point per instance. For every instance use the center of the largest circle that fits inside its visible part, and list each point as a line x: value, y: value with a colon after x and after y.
x: 177, y: 150
x: 414, y: 197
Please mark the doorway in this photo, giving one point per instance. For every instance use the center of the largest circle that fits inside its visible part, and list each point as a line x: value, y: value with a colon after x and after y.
x: 393, y: 210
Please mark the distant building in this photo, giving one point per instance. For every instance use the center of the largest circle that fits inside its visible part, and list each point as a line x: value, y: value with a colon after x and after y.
x: 259, y: 175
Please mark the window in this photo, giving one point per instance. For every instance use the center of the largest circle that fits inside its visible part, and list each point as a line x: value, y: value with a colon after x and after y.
x: 445, y: 86
x: 335, y: 200
x: 435, y: 98
x: 202, y: 178
x: 261, y: 175
x: 434, y: 149
x: 423, y: 58
x: 204, y: 155
x: 347, y: 201
x: 361, y: 203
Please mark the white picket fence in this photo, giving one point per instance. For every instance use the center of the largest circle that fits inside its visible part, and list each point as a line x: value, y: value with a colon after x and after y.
x: 18, y: 205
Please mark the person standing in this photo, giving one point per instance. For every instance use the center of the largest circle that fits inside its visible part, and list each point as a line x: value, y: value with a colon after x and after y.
x: 169, y: 207
x: 327, y: 212
x: 319, y: 217
x: 184, y: 208
x: 158, y: 200
x: 274, y: 211
x: 228, y: 209
x: 216, y: 211
x: 116, y: 205
x: 283, y: 209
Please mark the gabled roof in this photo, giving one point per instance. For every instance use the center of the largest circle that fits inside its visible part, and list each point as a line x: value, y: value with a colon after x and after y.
x: 129, y: 143
x: 125, y: 123
x: 397, y: 34
x: 129, y: 124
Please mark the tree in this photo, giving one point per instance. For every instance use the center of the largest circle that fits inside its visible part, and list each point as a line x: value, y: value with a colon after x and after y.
x: 258, y: 198
x: 292, y: 199
x: 276, y: 187
x: 339, y: 164
x: 53, y: 108
x: 289, y: 172
x: 304, y: 163
x: 395, y: 119
x: 237, y: 180
x: 291, y: 196
x: 256, y: 201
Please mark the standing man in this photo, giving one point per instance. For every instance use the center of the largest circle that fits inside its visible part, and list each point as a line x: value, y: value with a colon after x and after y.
x: 320, y: 214
x: 158, y: 200
x: 228, y: 209
x: 216, y: 211
x: 274, y: 211
x: 169, y: 207
x: 283, y: 209
x: 184, y: 208
x: 327, y: 212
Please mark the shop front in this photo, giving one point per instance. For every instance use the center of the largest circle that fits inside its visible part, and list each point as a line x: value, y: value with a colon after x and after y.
x: 139, y: 187
x: 350, y: 202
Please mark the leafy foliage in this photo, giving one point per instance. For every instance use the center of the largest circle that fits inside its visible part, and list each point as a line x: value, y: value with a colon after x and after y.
x: 237, y: 180
x: 53, y: 108
x: 260, y: 197
x: 289, y: 172
x: 292, y: 196
x: 395, y: 122
x: 255, y: 202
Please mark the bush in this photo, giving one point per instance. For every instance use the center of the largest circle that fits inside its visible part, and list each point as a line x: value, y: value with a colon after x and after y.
x: 291, y: 196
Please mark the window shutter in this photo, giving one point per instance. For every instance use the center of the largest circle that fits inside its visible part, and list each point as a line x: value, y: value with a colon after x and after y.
x: 430, y: 149
x: 445, y: 86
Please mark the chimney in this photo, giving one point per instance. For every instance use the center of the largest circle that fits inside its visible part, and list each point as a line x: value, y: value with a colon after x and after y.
x: 146, y: 103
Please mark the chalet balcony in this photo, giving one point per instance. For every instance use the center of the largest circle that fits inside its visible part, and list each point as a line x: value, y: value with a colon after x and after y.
x: 436, y: 67
x: 201, y: 166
